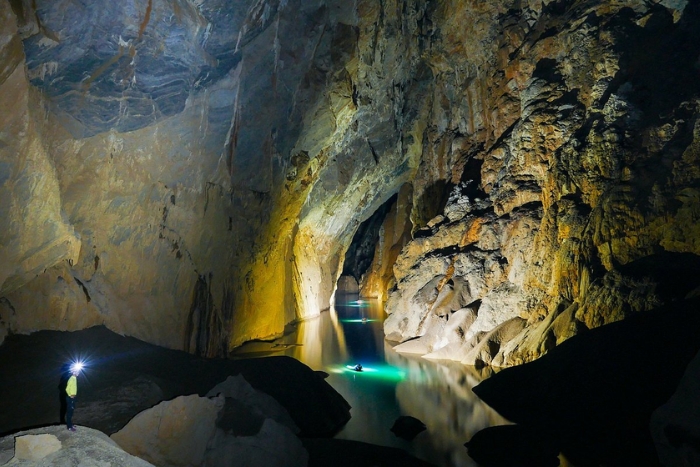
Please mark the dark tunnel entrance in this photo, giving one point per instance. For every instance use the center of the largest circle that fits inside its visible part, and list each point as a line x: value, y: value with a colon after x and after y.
x: 360, y: 254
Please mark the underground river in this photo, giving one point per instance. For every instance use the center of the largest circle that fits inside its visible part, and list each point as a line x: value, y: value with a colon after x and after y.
x: 390, y: 385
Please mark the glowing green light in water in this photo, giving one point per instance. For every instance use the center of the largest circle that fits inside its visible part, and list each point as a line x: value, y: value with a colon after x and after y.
x: 365, y: 320
x: 358, y: 304
x: 376, y: 372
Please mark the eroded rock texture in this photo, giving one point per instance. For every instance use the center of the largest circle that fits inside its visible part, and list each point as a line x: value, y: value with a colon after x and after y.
x: 571, y: 145
x: 56, y: 446
x: 192, y: 173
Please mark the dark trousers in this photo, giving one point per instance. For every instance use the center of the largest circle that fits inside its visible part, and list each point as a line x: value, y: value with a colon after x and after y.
x: 70, y: 406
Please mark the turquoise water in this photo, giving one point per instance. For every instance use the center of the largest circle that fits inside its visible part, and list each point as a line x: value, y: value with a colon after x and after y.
x: 390, y: 385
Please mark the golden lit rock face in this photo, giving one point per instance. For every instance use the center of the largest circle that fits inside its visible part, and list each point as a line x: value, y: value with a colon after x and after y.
x: 221, y: 222
x: 545, y: 155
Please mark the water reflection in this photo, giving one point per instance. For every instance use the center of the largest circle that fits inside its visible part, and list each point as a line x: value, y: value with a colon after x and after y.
x: 390, y: 384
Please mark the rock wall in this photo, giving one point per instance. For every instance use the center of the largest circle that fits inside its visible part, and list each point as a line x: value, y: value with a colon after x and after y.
x: 568, y: 132
x: 205, y: 166
x: 193, y: 173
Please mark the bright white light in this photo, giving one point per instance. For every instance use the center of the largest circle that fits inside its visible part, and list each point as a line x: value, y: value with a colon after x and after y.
x: 76, y: 367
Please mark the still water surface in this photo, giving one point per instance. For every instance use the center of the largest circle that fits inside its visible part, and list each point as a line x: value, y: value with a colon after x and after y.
x: 390, y: 385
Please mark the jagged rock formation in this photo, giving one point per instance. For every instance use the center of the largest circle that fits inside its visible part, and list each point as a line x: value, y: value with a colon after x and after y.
x: 259, y: 403
x: 574, y: 167
x: 84, y: 447
x: 192, y: 173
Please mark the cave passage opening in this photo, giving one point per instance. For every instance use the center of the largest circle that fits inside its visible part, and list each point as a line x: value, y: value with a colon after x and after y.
x: 361, y: 252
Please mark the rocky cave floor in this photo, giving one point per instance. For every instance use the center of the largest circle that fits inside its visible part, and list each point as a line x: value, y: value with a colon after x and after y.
x: 125, y: 376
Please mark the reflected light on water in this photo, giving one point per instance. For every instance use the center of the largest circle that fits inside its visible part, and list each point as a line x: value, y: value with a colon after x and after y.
x: 319, y: 337
x: 390, y: 384
x: 363, y: 320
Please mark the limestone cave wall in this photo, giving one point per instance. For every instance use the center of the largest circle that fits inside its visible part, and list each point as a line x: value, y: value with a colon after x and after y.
x: 192, y: 173
x: 567, y: 136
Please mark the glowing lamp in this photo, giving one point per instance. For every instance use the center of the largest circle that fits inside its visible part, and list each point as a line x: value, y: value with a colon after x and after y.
x: 77, y: 367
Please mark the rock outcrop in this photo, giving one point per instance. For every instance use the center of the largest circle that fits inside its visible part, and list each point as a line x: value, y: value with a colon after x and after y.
x: 173, y: 433
x: 83, y: 447
x: 569, y: 169
x: 124, y: 377
x: 210, y: 431
x: 598, y: 410
x: 674, y: 425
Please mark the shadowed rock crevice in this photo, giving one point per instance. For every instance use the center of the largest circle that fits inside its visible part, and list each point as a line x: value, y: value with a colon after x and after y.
x: 360, y: 254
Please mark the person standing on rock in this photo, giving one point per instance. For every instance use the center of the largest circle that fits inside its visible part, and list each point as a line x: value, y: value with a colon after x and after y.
x: 71, y: 393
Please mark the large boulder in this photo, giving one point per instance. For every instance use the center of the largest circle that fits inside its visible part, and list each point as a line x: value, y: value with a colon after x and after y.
x: 593, y: 396
x: 173, y: 433
x: 675, y: 426
x: 274, y: 445
x: 191, y: 431
x: 407, y: 427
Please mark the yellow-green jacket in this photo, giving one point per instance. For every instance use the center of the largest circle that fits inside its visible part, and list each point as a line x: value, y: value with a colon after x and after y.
x: 72, y: 386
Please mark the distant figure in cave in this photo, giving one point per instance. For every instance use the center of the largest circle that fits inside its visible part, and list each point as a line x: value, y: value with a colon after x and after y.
x: 358, y: 367
x: 71, y: 393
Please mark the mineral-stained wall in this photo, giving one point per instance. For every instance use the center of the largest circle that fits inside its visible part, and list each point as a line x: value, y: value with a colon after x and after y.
x: 582, y: 119
x: 192, y: 172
